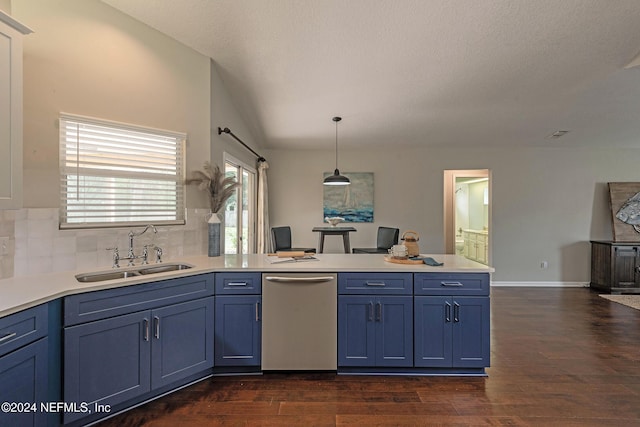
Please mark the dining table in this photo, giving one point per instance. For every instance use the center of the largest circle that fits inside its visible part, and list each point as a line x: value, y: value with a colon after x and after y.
x: 334, y: 231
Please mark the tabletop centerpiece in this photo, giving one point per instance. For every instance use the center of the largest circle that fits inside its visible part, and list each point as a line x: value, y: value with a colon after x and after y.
x: 335, y: 220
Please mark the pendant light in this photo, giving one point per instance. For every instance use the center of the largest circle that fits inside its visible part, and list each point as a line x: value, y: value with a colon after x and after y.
x: 336, y: 178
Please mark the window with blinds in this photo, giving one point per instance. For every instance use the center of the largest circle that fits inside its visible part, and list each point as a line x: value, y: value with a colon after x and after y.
x: 115, y: 174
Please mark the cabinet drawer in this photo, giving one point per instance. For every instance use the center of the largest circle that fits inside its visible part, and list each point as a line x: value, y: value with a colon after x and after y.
x: 238, y: 283
x: 375, y: 283
x: 98, y: 305
x: 17, y: 330
x: 451, y: 284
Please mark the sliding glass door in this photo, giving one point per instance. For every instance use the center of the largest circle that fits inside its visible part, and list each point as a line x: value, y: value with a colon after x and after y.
x: 239, y: 213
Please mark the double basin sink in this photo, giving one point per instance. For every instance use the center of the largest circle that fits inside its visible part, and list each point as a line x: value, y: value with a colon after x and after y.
x: 123, y: 274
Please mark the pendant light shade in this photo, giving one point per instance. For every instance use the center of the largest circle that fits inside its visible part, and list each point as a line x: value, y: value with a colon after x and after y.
x: 336, y: 178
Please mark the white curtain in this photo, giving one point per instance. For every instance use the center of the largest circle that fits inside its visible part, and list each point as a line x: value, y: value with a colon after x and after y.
x: 264, y: 232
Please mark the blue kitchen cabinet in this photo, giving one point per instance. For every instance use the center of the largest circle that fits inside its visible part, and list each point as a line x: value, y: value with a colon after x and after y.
x: 107, y: 361
x: 111, y: 361
x: 451, y: 332
x: 238, y: 326
x: 375, y: 331
x: 182, y: 341
x: 238, y: 330
x: 24, y: 379
x: 375, y: 320
x: 125, y: 358
x: 452, y: 321
x: 24, y: 370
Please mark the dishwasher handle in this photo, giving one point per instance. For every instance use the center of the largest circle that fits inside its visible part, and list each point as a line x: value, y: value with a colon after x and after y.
x: 312, y: 279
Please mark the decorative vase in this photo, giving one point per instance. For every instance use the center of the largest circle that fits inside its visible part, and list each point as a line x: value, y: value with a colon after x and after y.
x: 214, y: 234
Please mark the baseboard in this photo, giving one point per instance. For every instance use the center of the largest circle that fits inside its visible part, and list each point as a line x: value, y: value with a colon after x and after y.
x: 541, y: 284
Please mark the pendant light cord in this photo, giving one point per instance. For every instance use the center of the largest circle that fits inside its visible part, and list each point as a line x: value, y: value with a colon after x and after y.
x: 337, y: 119
x: 336, y: 144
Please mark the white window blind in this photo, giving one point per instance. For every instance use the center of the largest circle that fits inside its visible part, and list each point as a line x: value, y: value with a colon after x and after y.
x: 115, y: 174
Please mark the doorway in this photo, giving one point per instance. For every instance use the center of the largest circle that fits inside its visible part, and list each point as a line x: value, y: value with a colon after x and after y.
x: 467, y: 213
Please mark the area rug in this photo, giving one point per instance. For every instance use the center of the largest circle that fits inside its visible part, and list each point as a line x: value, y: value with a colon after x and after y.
x: 632, y: 301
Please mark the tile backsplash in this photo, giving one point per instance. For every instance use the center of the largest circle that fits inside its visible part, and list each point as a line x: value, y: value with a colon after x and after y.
x: 31, y: 243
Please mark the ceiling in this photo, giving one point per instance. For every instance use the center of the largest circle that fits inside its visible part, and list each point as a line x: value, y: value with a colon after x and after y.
x: 454, y: 73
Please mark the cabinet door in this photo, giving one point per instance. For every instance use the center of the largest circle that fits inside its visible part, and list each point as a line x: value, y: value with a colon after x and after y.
x: 107, y: 361
x: 625, y: 268
x: 471, y: 332
x: 433, y: 325
x: 238, y: 330
x: 473, y: 250
x: 394, y: 331
x: 481, y: 250
x: 182, y: 341
x: 24, y: 379
x: 356, y: 331
x: 10, y: 113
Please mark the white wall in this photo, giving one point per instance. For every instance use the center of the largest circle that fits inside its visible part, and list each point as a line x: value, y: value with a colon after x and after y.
x: 224, y: 114
x: 87, y: 58
x: 90, y: 59
x: 5, y: 6
x: 547, y: 203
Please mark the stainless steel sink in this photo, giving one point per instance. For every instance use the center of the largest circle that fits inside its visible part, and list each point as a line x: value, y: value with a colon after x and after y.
x: 109, y: 275
x: 163, y: 268
x: 123, y: 274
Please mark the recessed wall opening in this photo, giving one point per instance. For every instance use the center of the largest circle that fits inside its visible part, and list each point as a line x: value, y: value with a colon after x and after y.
x: 467, y: 213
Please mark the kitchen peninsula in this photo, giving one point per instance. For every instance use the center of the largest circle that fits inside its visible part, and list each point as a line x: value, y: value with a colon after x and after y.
x: 120, y: 342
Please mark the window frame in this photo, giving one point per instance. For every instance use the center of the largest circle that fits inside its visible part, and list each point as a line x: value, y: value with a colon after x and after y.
x: 64, y: 169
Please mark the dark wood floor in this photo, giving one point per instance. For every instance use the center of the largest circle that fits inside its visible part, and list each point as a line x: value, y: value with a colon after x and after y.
x: 560, y: 357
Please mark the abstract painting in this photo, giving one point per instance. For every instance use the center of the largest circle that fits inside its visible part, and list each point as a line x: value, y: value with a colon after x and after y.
x: 352, y: 202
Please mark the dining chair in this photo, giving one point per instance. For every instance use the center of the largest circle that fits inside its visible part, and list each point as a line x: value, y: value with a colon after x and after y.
x: 282, y: 240
x: 387, y: 237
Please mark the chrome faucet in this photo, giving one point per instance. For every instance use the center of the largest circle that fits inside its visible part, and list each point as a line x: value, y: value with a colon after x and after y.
x: 131, y: 256
x: 116, y: 257
x: 158, y: 254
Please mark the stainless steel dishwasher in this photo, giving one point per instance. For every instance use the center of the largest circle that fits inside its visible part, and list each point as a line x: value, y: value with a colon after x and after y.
x: 299, y: 321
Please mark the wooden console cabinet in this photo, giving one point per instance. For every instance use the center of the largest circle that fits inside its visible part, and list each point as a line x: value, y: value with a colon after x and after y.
x: 615, y: 267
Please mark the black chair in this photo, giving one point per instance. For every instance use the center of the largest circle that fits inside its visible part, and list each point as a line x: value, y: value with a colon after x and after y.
x: 282, y: 240
x: 387, y: 237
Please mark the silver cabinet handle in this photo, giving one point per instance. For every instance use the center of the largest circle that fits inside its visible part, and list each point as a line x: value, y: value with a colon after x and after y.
x: 237, y: 284
x: 447, y: 312
x: 375, y: 283
x: 370, y: 311
x: 257, y: 311
x: 8, y: 337
x: 456, y: 312
x: 145, y: 322
x: 299, y: 279
x: 156, y: 327
x: 451, y: 284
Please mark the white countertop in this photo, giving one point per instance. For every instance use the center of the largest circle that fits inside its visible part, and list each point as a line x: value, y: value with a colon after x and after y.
x: 19, y: 293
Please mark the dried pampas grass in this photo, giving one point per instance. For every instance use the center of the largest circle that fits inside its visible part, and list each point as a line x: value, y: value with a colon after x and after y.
x: 212, y: 180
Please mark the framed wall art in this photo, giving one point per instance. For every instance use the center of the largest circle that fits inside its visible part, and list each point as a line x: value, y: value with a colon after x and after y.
x: 352, y: 202
x: 624, y: 200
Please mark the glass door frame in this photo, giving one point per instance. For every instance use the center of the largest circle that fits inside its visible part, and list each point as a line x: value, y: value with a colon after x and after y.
x: 251, y: 199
